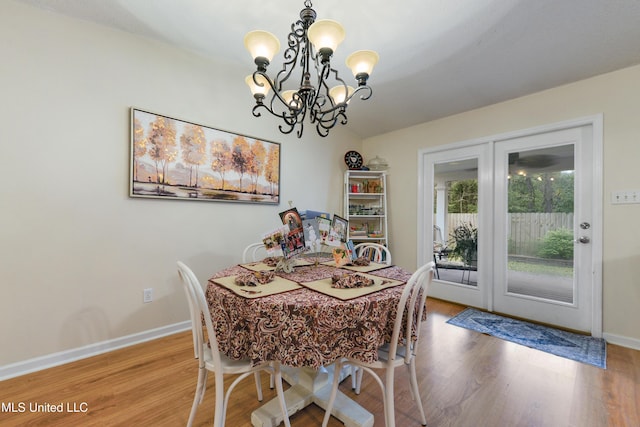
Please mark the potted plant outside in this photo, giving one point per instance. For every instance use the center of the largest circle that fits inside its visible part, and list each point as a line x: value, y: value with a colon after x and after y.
x: 465, y: 244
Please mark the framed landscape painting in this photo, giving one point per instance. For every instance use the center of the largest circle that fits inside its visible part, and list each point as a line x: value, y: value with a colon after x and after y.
x: 175, y: 159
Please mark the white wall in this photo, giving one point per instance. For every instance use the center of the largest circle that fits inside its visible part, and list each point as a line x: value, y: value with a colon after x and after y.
x: 617, y: 96
x: 75, y: 250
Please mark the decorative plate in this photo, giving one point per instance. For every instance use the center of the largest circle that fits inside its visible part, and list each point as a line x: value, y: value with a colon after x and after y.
x: 353, y: 159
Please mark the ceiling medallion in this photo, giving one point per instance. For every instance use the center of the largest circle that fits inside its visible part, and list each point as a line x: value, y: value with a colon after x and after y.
x: 310, y: 45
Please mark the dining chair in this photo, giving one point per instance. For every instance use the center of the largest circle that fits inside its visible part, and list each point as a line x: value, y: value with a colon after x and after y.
x: 256, y: 252
x: 374, y: 251
x: 440, y: 249
x: 211, y: 359
x: 399, y: 351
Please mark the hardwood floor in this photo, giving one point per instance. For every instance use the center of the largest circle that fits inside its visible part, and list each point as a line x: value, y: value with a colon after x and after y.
x: 466, y: 379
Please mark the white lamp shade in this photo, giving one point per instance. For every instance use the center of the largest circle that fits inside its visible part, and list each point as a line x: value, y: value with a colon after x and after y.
x: 337, y: 93
x: 325, y: 33
x: 362, y: 61
x: 261, y: 43
x: 288, y: 97
x: 255, y: 89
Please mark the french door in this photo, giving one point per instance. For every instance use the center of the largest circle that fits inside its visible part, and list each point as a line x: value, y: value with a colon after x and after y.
x: 455, y: 281
x: 538, y: 222
x: 550, y: 281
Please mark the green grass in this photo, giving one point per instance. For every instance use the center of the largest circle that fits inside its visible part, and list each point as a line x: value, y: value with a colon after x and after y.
x: 541, y: 269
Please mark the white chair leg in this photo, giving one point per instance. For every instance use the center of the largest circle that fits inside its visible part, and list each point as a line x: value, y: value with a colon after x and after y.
x: 201, y: 385
x: 389, y: 398
x: 256, y: 375
x: 219, y: 414
x: 334, y: 392
x: 277, y: 377
x: 354, y: 382
x: 359, y: 374
x: 415, y: 391
x: 411, y: 387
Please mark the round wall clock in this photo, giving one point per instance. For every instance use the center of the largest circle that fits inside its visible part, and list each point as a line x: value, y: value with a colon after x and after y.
x: 353, y: 159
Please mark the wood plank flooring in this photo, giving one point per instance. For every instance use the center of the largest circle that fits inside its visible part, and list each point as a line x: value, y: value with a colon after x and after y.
x: 466, y: 379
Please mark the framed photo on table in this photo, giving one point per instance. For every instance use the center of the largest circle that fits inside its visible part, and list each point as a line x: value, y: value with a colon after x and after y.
x: 312, y: 236
x: 324, y: 228
x: 338, y: 231
x: 180, y: 160
x: 294, y: 240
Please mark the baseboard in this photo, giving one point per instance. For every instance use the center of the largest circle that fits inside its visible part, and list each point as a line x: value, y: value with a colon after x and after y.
x: 55, y: 359
x: 49, y: 361
x: 622, y: 341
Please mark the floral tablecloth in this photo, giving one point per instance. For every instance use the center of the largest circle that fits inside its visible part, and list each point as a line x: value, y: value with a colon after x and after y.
x: 303, y: 327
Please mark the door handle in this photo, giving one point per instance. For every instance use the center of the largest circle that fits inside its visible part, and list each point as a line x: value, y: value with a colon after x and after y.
x: 583, y: 239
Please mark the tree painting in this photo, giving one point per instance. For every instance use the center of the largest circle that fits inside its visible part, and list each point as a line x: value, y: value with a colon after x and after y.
x: 272, y: 167
x: 221, y: 159
x: 171, y: 158
x: 240, y: 157
x: 193, y: 145
x: 162, y: 146
x: 139, y: 145
x: 256, y: 166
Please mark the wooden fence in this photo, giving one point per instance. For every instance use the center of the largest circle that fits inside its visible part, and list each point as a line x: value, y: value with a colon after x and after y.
x: 526, y: 230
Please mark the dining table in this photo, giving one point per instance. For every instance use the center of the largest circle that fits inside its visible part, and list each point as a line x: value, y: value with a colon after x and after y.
x: 302, y: 321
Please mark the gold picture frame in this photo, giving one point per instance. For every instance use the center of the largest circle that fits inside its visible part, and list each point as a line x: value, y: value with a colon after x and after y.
x: 180, y: 160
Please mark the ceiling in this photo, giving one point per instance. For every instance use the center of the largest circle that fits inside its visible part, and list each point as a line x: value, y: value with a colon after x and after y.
x: 437, y: 57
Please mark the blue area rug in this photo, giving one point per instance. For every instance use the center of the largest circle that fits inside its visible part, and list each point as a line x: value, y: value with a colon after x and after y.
x: 581, y: 348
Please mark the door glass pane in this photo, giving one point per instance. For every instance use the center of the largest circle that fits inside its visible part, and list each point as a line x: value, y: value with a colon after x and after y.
x: 540, y: 223
x: 455, y: 219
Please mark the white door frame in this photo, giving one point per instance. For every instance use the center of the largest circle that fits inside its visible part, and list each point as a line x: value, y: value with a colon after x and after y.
x: 425, y: 208
x: 475, y: 296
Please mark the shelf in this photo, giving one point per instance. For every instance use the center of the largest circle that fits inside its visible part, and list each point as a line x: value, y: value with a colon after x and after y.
x: 365, y: 174
x: 370, y: 203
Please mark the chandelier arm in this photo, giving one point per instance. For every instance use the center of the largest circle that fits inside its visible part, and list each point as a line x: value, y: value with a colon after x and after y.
x: 328, y: 70
x: 338, y: 111
x: 256, y: 110
x: 364, y: 96
x: 266, y: 77
x: 323, y: 132
x: 290, y: 119
x: 324, y: 126
x: 321, y: 97
x: 276, y: 95
x: 291, y: 54
x: 258, y: 106
x: 323, y: 76
x: 288, y: 115
x: 333, y: 119
x: 288, y: 130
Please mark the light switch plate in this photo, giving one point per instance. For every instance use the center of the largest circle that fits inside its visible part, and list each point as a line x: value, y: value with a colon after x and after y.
x: 625, y: 197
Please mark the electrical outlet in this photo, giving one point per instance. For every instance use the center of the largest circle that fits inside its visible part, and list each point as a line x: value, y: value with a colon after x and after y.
x: 147, y: 295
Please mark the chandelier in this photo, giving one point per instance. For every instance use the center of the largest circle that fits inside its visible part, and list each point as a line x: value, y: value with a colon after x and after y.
x: 310, y: 44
